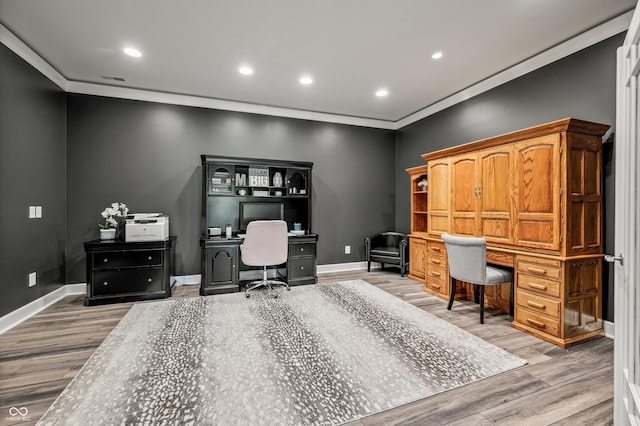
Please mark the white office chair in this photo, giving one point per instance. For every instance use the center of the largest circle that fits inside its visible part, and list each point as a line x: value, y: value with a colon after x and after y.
x: 468, y: 262
x: 266, y: 243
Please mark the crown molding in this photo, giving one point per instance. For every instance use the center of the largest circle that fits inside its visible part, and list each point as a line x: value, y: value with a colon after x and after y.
x: 32, y: 58
x: 212, y: 103
x: 573, y: 45
x: 595, y: 35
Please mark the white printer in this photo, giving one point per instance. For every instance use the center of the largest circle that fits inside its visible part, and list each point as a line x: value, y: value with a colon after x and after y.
x: 146, y: 227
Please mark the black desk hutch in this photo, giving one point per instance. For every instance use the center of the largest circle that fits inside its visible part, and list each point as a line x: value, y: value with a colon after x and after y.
x: 231, y: 185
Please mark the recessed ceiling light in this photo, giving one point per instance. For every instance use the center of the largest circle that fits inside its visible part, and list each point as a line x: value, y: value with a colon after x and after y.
x: 306, y: 80
x: 245, y: 70
x: 382, y: 93
x: 437, y: 55
x: 132, y: 52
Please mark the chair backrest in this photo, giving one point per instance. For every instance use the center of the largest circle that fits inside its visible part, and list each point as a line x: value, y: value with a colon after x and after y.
x: 388, y: 239
x: 467, y: 258
x: 266, y: 243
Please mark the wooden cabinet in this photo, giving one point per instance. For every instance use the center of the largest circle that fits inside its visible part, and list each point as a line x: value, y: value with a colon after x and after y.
x: 119, y: 271
x: 535, y: 195
x: 419, y: 211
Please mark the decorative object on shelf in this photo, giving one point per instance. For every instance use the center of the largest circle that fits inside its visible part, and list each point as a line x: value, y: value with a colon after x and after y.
x: 423, y: 184
x: 258, y: 176
x: 228, y: 231
x: 242, y: 191
x: 277, y: 179
x: 297, y: 226
x: 110, y: 224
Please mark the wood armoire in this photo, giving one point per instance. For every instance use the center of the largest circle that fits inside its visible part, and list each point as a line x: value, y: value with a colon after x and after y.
x: 536, y: 196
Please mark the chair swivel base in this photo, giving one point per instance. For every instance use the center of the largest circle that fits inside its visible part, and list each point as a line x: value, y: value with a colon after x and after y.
x: 265, y: 282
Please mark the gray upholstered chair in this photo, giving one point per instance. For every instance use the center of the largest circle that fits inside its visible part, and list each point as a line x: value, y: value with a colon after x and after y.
x: 390, y: 248
x: 468, y: 262
x: 266, y: 243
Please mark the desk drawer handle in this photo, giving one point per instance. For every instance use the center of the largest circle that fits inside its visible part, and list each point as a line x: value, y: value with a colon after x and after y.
x: 537, y: 270
x: 436, y: 274
x: 105, y: 260
x: 436, y: 286
x: 105, y: 283
x: 301, y: 248
x: 301, y: 268
x: 150, y: 257
x: 538, y: 286
x: 536, y: 305
x: 536, y: 323
x: 436, y: 261
x: 436, y: 249
x: 149, y: 280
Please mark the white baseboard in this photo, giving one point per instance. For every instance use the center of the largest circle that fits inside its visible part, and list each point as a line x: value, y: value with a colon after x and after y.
x: 10, y: 320
x: 609, y: 329
x: 187, y: 279
x: 344, y: 267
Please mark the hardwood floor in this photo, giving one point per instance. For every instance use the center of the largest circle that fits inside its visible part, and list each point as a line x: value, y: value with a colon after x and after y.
x: 558, y: 386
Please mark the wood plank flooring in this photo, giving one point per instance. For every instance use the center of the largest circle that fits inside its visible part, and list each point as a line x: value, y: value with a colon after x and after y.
x: 571, y: 386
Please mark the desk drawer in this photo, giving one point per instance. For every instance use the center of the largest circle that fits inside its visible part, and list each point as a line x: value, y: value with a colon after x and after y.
x: 301, y: 267
x: 540, y: 267
x: 436, y: 248
x: 438, y: 285
x: 121, y: 259
x: 437, y: 273
x: 121, y: 281
x: 437, y: 261
x: 539, y: 322
x: 305, y: 249
x: 538, y: 285
x: 500, y: 258
x: 538, y: 304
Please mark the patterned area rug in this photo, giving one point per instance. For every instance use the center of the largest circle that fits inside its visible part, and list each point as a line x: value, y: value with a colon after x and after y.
x: 319, y: 354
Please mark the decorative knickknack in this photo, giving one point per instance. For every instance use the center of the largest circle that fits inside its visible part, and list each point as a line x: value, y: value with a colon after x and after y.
x: 110, y: 214
x: 277, y: 179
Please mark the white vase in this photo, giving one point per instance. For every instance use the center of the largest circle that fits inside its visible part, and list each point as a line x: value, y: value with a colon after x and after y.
x: 108, y: 234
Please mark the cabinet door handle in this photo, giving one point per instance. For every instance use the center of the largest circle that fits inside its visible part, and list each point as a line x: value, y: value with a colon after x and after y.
x: 105, y: 260
x: 301, y: 268
x: 301, y: 248
x: 538, y: 286
x: 150, y: 257
x: 105, y: 283
x: 535, y: 304
x: 537, y: 270
x: 149, y: 280
x: 536, y: 323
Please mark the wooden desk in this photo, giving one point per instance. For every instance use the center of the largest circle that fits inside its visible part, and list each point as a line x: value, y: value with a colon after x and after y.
x: 223, y: 268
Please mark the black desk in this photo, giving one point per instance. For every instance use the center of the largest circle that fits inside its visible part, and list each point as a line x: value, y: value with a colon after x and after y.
x: 118, y: 271
x: 224, y: 272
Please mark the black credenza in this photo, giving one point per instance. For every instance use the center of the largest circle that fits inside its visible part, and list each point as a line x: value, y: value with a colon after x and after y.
x: 223, y: 271
x: 119, y: 271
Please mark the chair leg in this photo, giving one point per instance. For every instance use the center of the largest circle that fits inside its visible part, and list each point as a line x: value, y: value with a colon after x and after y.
x: 368, y: 266
x: 481, y: 304
x: 452, y: 293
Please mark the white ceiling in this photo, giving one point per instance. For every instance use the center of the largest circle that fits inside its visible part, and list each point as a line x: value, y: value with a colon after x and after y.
x: 350, y: 47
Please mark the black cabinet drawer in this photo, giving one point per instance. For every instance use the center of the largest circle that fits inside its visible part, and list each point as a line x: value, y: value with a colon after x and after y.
x: 120, y: 281
x: 301, y: 267
x: 117, y: 259
x: 304, y: 249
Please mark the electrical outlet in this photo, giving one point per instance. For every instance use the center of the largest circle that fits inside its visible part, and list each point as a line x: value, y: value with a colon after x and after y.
x: 347, y: 249
x: 32, y: 279
x: 38, y: 212
x: 32, y: 212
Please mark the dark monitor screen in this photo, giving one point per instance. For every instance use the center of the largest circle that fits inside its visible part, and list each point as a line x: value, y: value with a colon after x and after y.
x: 259, y: 211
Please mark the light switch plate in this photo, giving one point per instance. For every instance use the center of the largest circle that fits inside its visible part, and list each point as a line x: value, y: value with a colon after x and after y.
x: 32, y: 279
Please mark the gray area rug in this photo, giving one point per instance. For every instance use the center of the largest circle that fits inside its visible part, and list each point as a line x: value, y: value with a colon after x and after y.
x: 319, y: 354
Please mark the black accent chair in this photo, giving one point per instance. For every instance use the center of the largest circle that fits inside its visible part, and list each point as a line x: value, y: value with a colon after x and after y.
x: 390, y: 248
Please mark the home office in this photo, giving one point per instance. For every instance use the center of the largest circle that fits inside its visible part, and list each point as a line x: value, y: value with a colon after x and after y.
x: 74, y: 145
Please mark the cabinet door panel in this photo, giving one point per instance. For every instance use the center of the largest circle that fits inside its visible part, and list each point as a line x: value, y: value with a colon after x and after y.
x: 438, y: 197
x: 417, y: 258
x: 464, y: 195
x: 537, y: 192
x: 496, y: 195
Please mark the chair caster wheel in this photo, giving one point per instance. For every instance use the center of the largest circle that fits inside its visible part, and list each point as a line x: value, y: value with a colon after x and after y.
x: 246, y: 295
x: 275, y: 296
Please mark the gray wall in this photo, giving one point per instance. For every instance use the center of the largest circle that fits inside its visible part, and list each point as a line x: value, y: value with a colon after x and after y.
x: 581, y: 85
x: 32, y: 172
x: 147, y: 155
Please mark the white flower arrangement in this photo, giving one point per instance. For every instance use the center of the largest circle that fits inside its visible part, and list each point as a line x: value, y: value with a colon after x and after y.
x: 110, y: 213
